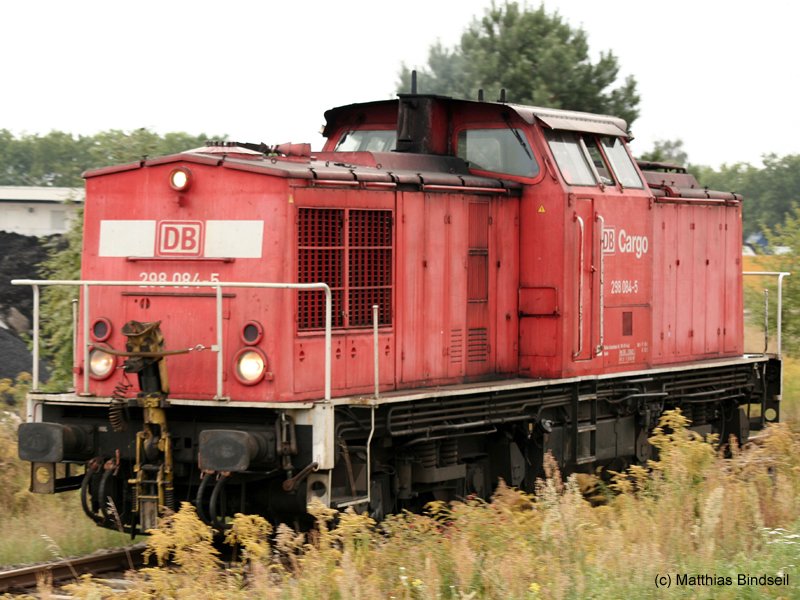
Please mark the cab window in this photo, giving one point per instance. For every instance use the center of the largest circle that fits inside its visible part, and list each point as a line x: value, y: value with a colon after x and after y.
x: 585, y: 159
x: 498, y: 150
x: 601, y: 168
x: 570, y: 157
x: 367, y: 140
x: 621, y: 162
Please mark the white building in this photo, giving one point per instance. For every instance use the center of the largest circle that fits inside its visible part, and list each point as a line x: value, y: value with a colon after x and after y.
x: 38, y: 211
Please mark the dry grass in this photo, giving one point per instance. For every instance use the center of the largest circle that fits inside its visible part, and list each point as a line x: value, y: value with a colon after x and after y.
x: 33, y: 527
x: 52, y: 527
x: 693, y: 512
x: 790, y: 406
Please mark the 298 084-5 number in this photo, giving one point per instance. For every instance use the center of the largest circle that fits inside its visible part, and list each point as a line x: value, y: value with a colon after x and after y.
x: 624, y: 286
x: 177, y: 277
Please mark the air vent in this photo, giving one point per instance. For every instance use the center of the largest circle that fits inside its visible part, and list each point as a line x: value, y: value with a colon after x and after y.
x: 478, y: 345
x: 320, y: 253
x: 332, y: 240
x: 370, y: 266
x: 456, y: 346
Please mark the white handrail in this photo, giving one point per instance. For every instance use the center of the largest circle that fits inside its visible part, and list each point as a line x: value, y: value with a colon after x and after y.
x: 779, y: 317
x: 86, y: 338
x: 580, y: 290
x: 217, y: 285
x: 375, y: 357
x: 601, y: 341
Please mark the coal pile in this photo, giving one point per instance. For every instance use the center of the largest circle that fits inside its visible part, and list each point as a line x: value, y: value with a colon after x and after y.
x: 20, y: 258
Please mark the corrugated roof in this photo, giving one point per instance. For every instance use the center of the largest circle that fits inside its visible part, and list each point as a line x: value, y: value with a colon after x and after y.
x: 18, y: 193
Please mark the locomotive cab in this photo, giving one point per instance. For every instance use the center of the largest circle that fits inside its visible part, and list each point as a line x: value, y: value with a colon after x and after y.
x: 447, y: 292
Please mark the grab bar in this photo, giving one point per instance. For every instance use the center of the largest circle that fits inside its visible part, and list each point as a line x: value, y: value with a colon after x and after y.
x: 600, y: 342
x: 580, y: 289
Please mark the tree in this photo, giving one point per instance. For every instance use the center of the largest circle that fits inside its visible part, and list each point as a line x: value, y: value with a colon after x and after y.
x: 537, y: 57
x: 667, y: 151
x: 788, y: 234
x: 55, y: 159
x: 116, y: 146
x: 769, y: 192
x: 63, y: 262
x: 58, y: 158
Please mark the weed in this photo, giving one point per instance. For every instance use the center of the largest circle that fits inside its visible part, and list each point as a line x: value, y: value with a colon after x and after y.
x: 693, y: 512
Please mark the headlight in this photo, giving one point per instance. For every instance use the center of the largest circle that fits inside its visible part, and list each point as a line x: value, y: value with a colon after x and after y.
x: 250, y: 366
x: 101, y: 364
x: 101, y: 329
x: 252, y: 333
x: 180, y: 179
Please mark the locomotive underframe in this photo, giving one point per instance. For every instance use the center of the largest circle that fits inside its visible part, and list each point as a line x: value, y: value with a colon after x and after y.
x: 382, y: 454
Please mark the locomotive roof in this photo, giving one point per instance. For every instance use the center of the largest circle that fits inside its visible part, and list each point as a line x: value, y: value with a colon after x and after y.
x: 373, y: 167
x: 394, y: 167
x: 553, y: 118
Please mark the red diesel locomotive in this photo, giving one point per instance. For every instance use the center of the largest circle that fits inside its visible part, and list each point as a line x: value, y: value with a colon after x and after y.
x: 445, y: 293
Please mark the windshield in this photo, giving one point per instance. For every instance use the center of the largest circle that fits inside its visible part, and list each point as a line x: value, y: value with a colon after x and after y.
x: 498, y: 150
x: 367, y: 140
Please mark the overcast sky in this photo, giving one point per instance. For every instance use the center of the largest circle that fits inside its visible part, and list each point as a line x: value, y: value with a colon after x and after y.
x: 720, y: 75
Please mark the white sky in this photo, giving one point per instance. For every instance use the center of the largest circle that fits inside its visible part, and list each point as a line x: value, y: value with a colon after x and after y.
x: 721, y: 75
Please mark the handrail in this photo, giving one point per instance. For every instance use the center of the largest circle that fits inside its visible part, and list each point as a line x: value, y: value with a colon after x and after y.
x: 600, y: 342
x: 375, y: 351
x: 580, y: 290
x: 779, y: 317
x: 218, y: 285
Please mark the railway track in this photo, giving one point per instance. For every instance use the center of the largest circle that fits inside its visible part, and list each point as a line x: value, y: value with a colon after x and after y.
x: 59, y: 571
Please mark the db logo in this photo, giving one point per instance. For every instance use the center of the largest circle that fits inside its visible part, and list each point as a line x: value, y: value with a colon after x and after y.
x: 180, y: 238
x: 609, y: 247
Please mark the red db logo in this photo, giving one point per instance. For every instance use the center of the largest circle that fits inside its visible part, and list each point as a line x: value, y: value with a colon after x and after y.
x: 180, y: 238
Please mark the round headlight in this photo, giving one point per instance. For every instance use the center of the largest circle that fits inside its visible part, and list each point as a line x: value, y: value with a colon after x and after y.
x: 250, y: 366
x: 252, y: 333
x: 180, y: 179
x: 101, y: 329
x: 101, y: 364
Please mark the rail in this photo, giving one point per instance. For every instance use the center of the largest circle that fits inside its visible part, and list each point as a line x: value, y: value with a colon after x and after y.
x: 779, y: 315
x: 119, y: 559
x: 218, y: 347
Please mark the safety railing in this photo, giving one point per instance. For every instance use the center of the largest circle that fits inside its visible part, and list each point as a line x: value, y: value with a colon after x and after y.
x: 218, y: 286
x: 779, y: 311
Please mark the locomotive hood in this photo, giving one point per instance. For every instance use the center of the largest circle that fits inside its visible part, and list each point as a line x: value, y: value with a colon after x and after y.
x: 364, y: 167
